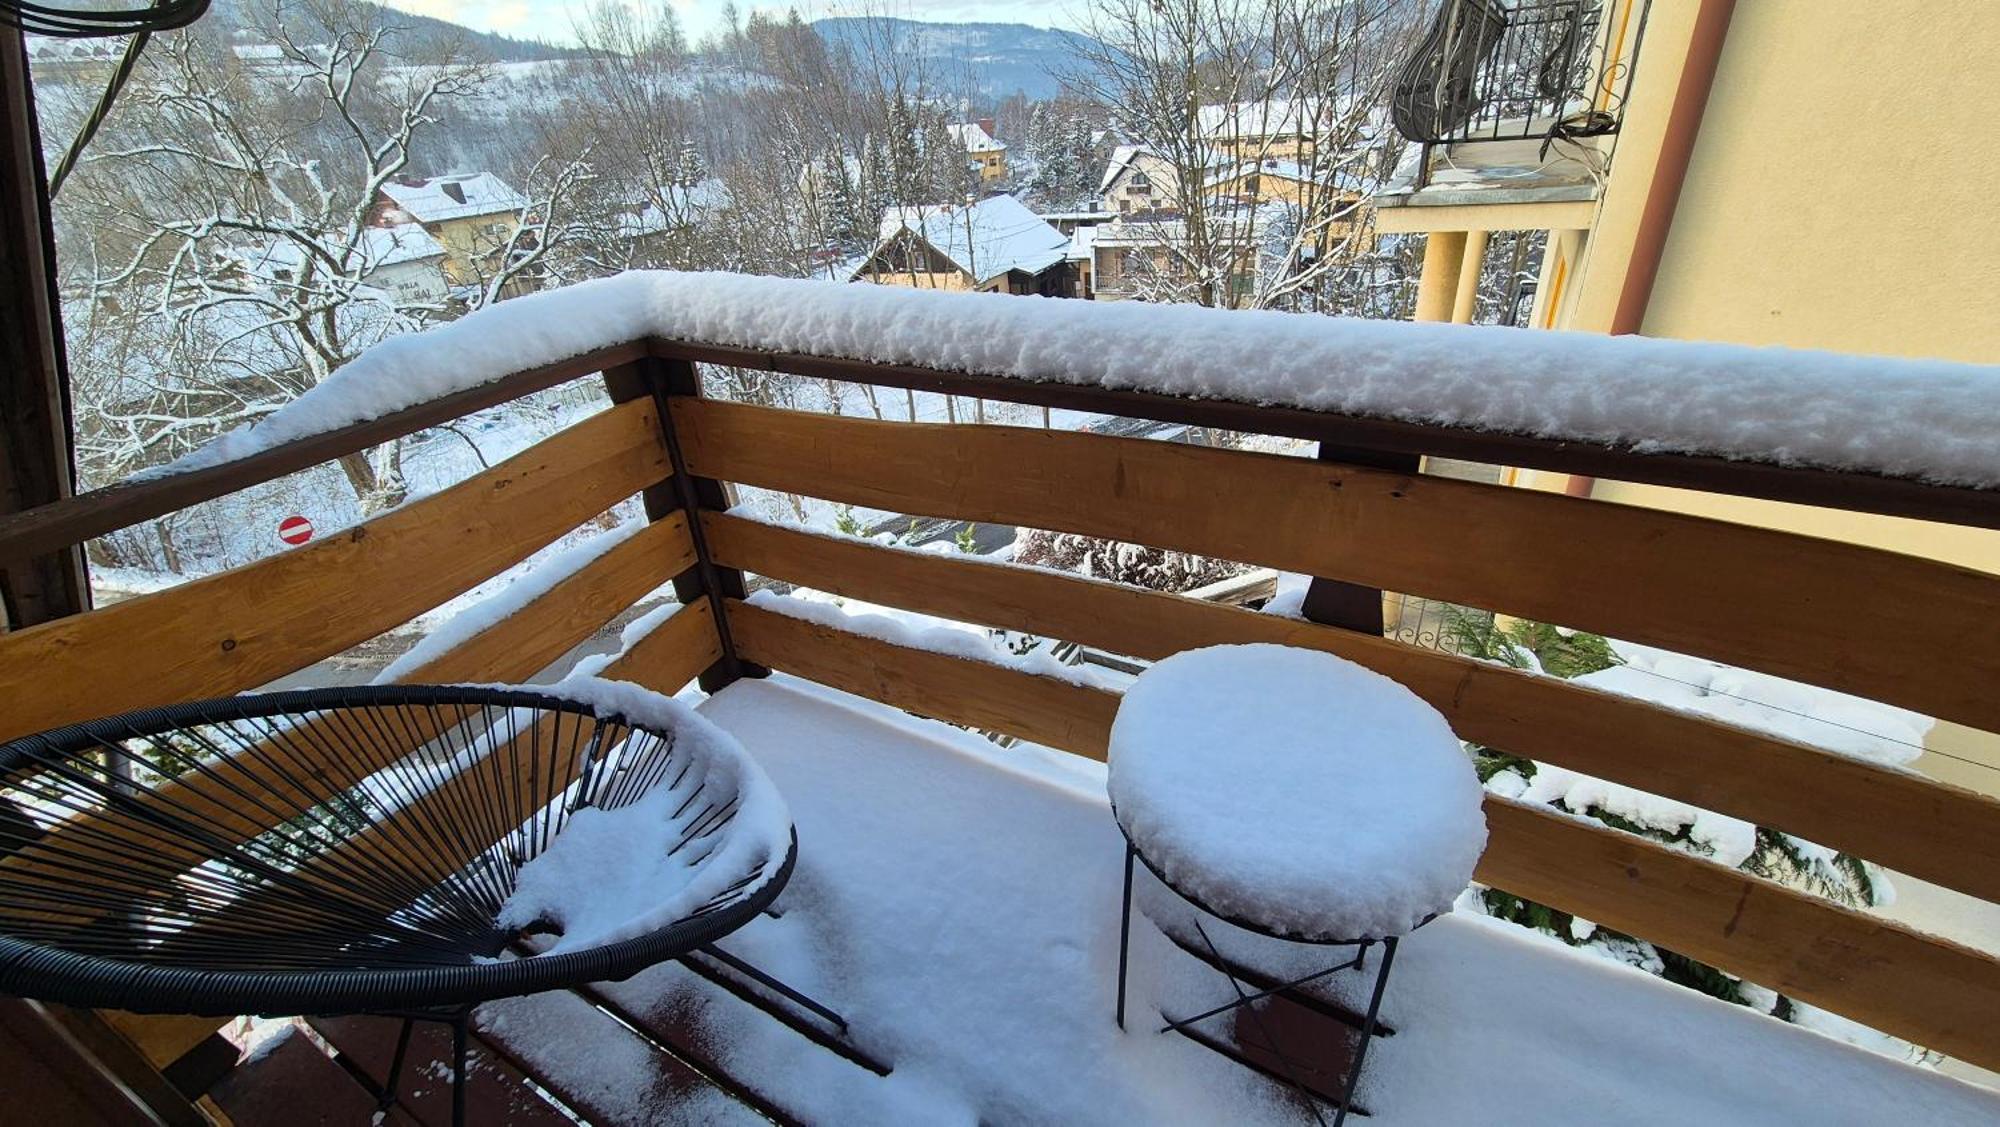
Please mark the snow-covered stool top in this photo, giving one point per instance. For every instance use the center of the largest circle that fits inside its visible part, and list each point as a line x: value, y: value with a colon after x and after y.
x: 1295, y: 792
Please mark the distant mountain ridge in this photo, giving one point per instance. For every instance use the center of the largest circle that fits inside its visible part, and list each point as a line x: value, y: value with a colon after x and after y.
x: 1000, y: 57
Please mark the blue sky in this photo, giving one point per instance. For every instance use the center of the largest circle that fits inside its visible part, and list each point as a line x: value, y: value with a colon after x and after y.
x: 552, y: 19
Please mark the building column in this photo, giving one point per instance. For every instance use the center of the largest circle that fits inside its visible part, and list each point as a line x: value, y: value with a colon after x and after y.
x: 1466, y: 301
x: 1437, y: 286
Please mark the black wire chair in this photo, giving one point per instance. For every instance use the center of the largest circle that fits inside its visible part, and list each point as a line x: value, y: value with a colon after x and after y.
x: 334, y: 851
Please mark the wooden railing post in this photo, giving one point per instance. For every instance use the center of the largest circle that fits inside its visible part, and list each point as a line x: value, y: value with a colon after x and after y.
x: 1333, y: 602
x: 663, y: 379
x: 36, y: 466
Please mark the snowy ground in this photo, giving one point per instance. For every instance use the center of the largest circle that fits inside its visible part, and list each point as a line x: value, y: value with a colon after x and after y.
x: 960, y: 904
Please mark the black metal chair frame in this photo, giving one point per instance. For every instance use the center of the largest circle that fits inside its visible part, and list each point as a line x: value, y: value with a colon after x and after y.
x: 157, y: 950
x: 1370, y: 1020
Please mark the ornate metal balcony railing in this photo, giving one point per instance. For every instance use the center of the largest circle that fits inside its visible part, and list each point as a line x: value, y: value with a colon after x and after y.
x: 1487, y: 70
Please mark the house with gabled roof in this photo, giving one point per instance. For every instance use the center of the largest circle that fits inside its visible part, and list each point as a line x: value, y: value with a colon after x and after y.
x: 472, y: 215
x: 995, y: 245
x: 1137, y: 179
x: 981, y: 148
x: 1283, y: 128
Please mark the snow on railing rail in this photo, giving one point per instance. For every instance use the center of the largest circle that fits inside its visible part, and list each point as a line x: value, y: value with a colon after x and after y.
x: 1930, y: 420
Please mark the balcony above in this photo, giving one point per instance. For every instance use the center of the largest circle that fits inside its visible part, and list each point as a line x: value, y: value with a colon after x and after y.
x: 1513, y: 104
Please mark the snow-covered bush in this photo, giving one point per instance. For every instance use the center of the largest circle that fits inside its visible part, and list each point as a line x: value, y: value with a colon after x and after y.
x: 1760, y: 850
x: 1158, y: 569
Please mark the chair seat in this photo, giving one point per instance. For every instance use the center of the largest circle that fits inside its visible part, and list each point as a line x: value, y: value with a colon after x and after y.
x: 409, y: 836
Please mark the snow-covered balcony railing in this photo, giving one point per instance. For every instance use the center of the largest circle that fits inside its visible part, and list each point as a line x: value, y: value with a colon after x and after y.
x: 1897, y: 437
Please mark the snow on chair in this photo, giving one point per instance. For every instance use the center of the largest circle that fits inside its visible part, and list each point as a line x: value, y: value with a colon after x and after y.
x: 1298, y: 796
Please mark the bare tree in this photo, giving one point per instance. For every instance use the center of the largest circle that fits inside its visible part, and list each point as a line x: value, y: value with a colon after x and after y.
x: 231, y: 224
x: 1268, y: 114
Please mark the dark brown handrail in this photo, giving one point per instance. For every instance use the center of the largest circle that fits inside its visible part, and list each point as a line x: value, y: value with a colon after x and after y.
x: 80, y: 518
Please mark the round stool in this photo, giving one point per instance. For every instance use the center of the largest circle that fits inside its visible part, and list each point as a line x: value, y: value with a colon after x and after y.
x: 1295, y: 795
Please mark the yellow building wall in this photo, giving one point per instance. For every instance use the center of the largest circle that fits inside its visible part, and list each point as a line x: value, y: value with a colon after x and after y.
x: 992, y: 165
x: 1282, y: 146
x: 1841, y: 193
x: 469, y: 242
x: 943, y: 280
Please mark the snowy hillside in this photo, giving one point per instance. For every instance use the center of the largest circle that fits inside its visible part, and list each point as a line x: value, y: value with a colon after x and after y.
x: 1000, y: 57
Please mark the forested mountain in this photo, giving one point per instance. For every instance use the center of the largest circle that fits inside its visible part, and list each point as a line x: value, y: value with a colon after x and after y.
x: 999, y: 58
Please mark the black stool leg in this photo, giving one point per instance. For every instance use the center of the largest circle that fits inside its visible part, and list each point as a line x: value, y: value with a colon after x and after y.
x: 396, y: 1066
x: 1367, y: 1030
x: 1125, y: 934
x: 458, y: 1032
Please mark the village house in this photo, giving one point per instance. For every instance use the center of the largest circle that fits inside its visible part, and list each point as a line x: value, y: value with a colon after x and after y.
x: 406, y: 261
x: 1279, y: 129
x: 1137, y: 179
x: 1146, y: 259
x: 471, y: 215
x: 403, y: 261
x: 981, y: 149
x: 653, y: 228
x: 995, y: 245
x: 1289, y: 184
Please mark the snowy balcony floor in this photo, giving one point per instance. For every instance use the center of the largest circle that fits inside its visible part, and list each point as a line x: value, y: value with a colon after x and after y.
x: 958, y: 902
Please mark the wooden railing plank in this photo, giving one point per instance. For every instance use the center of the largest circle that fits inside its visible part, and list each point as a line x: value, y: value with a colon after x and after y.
x: 1928, y: 990
x: 522, y: 644
x: 1835, y: 489
x: 79, y: 518
x: 244, y: 627
x: 1930, y: 830
x: 1035, y: 708
x: 248, y: 795
x: 1900, y: 629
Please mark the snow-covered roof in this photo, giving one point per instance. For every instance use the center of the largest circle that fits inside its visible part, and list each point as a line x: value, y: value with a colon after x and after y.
x: 1121, y: 156
x: 986, y: 239
x: 378, y: 246
x: 405, y: 242
x: 685, y: 203
x: 1254, y: 120
x: 1929, y: 420
x: 1167, y: 229
x: 454, y: 197
x: 1083, y: 242
x: 973, y: 138
x: 43, y: 49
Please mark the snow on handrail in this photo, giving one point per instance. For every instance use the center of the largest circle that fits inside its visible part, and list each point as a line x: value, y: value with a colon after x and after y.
x: 1929, y: 420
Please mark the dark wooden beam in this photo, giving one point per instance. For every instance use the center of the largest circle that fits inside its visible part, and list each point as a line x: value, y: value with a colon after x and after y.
x: 1335, y: 602
x: 663, y: 380
x: 35, y: 458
